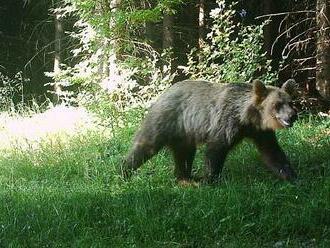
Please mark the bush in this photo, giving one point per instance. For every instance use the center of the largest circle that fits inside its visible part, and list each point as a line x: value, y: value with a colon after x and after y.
x: 12, y: 91
x: 232, y: 51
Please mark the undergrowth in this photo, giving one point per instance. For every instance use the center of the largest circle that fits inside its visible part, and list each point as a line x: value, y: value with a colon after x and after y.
x: 71, y: 195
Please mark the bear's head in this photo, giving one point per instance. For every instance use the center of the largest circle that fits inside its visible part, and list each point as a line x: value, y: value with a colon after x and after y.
x: 275, y: 104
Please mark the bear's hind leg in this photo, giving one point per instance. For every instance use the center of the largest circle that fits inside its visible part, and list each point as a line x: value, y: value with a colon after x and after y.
x: 139, y: 154
x: 184, y: 154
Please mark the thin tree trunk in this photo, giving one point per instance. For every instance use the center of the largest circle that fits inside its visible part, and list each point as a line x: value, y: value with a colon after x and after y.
x: 149, y: 32
x: 112, y: 70
x: 168, y: 36
x: 201, y: 23
x: 57, y: 56
x: 323, y: 48
x: 268, y: 29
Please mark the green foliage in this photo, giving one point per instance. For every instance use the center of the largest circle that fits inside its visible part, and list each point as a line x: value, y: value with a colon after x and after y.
x: 71, y: 194
x: 145, y: 78
x: 12, y: 91
x: 112, y: 59
x: 126, y: 19
x: 232, y: 51
x: 140, y: 80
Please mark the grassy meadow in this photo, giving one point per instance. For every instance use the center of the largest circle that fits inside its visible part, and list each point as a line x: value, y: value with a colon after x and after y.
x: 64, y: 190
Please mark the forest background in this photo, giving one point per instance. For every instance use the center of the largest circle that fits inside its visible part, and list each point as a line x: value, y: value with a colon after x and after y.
x: 132, y: 50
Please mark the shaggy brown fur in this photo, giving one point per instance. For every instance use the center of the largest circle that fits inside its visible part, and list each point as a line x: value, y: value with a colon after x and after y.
x: 194, y: 112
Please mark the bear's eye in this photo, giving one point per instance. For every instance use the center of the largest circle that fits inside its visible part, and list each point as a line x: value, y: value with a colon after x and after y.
x: 278, y: 105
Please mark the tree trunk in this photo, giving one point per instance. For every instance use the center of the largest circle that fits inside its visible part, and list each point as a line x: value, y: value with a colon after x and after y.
x: 112, y: 70
x: 201, y: 23
x: 57, y: 56
x: 168, y: 36
x: 323, y: 48
x: 268, y: 29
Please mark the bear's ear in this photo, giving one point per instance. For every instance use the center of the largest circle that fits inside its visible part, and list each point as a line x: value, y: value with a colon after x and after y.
x: 260, y: 91
x: 290, y: 87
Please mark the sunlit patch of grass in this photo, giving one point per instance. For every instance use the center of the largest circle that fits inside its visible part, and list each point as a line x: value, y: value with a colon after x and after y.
x: 56, y: 125
x: 62, y: 194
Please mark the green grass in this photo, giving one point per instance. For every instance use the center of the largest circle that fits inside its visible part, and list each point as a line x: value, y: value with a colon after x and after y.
x: 71, y: 195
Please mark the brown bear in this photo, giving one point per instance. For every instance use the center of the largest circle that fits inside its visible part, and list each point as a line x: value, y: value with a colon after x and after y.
x: 220, y: 116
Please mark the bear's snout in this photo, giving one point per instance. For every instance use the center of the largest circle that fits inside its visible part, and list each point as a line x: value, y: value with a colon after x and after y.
x: 292, y: 116
x: 287, y: 116
x: 288, y: 122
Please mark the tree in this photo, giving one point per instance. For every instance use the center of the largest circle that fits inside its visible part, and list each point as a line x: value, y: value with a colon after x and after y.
x: 268, y: 7
x: 112, y: 67
x: 323, y: 48
x: 201, y: 23
x: 58, y: 28
x: 168, y: 36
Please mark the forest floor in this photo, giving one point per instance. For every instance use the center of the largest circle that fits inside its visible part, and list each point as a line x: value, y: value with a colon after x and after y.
x: 60, y: 190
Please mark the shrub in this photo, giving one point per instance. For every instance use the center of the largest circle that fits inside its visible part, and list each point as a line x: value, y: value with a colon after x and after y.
x: 12, y: 91
x: 232, y: 51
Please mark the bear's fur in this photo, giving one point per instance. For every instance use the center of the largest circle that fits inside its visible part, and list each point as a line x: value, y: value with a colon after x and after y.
x: 220, y: 116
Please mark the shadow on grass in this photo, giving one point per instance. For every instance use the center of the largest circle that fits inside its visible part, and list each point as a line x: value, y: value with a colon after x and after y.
x: 172, y: 217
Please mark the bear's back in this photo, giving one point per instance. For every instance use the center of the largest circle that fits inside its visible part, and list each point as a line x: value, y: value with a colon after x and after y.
x: 198, y: 109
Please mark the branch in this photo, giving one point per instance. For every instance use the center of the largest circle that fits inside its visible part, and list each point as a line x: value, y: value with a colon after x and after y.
x: 307, y: 69
x: 284, y: 67
x: 286, y: 31
x: 302, y: 61
x: 285, y: 13
x: 294, y: 38
x: 296, y: 43
x: 305, y: 59
x: 281, y: 23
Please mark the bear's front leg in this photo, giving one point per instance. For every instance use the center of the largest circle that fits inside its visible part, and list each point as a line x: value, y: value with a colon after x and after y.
x: 215, y: 157
x: 273, y: 155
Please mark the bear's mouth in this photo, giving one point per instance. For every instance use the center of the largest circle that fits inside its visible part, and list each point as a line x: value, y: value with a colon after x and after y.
x: 283, y: 122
